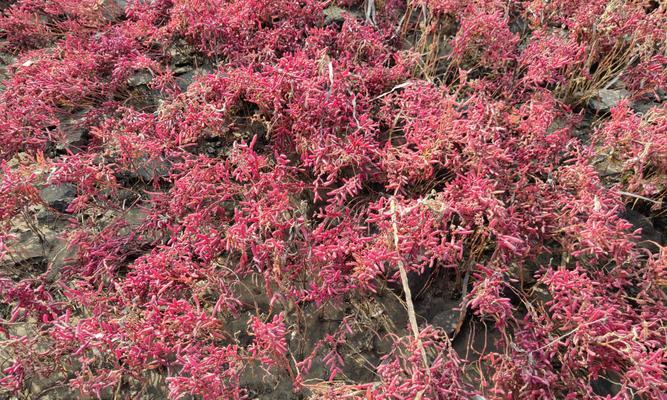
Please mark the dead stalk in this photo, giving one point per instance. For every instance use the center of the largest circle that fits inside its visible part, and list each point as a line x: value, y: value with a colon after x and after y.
x: 406, y: 289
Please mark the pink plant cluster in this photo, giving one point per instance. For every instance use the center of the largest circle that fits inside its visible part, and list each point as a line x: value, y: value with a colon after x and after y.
x: 279, y: 164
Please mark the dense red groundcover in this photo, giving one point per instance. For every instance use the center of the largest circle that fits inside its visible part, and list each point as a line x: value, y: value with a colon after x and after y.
x: 167, y: 156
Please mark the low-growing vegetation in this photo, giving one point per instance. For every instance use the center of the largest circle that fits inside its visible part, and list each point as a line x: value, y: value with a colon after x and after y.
x: 319, y: 199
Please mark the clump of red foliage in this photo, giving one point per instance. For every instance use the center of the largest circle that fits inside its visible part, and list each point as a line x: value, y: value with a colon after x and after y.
x: 281, y: 163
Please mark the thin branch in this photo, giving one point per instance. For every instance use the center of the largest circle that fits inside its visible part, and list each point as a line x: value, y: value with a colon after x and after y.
x: 638, y: 197
x: 408, y: 293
